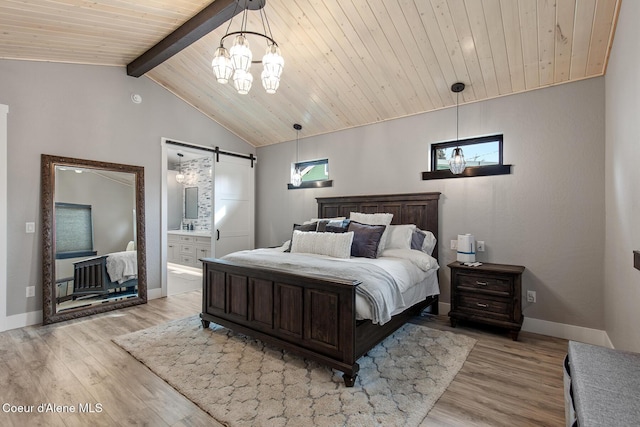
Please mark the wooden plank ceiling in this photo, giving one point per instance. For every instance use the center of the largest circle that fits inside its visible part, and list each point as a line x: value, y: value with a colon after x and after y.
x: 347, y: 62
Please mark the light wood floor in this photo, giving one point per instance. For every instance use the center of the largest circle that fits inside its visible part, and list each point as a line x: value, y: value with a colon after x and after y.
x: 502, y: 383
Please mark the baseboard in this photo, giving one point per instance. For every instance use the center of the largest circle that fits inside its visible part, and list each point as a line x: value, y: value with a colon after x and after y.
x: 154, y: 293
x: 21, y: 320
x: 569, y: 332
x: 443, y: 308
x: 553, y: 329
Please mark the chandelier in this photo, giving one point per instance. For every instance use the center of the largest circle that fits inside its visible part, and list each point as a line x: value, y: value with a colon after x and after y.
x: 235, y: 63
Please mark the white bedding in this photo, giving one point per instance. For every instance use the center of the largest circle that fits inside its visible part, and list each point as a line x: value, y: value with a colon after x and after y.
x: 396, y: 283
x: 122, y: 266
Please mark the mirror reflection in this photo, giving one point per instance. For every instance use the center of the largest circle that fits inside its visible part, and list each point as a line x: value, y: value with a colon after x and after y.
x: 96, y: 259
x: 191, y: 202
x: 93, y: 228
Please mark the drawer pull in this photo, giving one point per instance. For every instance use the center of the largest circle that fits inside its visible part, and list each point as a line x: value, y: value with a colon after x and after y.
x: 481, y: 283
x: 479, y: 304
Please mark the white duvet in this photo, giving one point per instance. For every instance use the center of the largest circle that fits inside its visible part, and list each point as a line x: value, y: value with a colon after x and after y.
x: 384, y: 279
x: 122, y: 266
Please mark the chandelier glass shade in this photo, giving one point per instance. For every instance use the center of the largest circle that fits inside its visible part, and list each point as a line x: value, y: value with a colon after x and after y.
x: 240, y: 53
x: 457, y: 163
x: 235, y: 63
x: 180, y: 176
x: 242, y: 80
x: 272, y: 63
x: 221, y: 64
x: 296, y: 179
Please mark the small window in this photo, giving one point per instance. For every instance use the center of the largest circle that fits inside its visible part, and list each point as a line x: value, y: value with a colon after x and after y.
x: 314, y: 173
x: 313, y: 170
x: 74, y: 231
x: 478, y: 152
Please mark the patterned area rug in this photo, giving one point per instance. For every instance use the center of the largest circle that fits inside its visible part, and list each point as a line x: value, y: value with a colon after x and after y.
x: 241, y: 381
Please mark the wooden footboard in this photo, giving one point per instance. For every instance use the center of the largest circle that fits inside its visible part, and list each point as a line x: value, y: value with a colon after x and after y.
x: 311, y: 316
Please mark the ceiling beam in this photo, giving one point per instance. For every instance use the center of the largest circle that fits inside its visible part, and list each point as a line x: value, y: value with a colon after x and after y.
x: 207, y: 20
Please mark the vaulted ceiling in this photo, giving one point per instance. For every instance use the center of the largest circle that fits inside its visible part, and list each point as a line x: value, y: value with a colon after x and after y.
x: 347, y: 62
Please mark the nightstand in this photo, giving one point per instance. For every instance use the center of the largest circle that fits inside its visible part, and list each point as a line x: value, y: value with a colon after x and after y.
x: 489, y: 293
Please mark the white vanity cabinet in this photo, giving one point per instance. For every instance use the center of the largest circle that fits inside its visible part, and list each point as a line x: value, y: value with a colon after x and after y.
x: 186, y: 248
x: 173, y: 248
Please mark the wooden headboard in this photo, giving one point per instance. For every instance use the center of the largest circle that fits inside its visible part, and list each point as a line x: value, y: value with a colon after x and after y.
x: 420, y: 209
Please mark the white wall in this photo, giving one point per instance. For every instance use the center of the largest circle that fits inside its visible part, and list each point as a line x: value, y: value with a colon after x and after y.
x: 548, y: 215
x: 86, y: 112
x: 4, y: 110
x: 622, y: 290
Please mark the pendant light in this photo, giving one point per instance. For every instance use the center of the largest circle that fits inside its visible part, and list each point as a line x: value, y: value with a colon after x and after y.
x: 456, y: 161
x: 180, y: 175
x: 296, y: 178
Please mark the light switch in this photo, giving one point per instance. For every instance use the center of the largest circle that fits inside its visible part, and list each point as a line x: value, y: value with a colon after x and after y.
x: 31, y: 227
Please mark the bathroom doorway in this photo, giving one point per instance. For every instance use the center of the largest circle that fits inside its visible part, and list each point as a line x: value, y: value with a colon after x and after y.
x: 208, y: 205
x: 189, y: 195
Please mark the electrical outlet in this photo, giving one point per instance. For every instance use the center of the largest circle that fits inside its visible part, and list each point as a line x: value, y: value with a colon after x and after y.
x: 454, y: 245
x: 30, y: 227
x: 31, y: 291
x: 480, y: 245
x: 531, y: 296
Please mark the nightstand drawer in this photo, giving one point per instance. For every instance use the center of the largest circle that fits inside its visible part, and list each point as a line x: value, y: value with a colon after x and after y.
x: 477, y: 281
x: 475, y: 302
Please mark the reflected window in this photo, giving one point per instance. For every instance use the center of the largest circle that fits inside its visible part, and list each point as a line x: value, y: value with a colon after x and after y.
x: 478, y: 152
x: 74, y: 230
x: 312, y: 170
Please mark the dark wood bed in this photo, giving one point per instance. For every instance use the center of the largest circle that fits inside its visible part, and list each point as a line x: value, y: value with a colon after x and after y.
x: 90, y: 277
x: 312, y: 316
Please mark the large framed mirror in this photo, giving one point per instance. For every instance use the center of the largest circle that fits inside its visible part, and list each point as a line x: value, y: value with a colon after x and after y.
x: 93, y: 237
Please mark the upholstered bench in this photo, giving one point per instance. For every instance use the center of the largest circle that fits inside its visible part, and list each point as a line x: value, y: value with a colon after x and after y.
x: 602, y: 385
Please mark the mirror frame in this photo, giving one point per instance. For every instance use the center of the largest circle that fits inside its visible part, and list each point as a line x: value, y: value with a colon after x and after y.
x: 48, y: 168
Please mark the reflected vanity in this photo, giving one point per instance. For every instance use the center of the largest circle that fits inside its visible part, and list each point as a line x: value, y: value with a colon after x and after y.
x: 93, y: 241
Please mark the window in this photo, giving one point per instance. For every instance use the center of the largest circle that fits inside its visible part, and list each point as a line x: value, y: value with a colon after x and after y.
x: 74, y: 231
x: 483, y: 156
x: 315, y: 173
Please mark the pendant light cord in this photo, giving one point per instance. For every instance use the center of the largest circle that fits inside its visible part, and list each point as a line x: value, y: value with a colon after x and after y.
x: 457, y: 115
x: 297, y: 127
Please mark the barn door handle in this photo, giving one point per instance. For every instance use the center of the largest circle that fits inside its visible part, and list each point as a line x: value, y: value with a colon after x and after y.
x: 217, y: 234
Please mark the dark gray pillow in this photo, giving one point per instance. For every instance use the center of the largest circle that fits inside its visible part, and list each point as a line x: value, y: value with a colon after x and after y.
x: 366, y: 239
x: 417, y: 239
x: 333, y: 226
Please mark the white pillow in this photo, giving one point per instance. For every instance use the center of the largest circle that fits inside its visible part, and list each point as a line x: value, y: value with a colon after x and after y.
x: 400, y: 236
x: 337, y: 245
x: 429, y: 242
x: 419, y: 259
x: 375, y: 219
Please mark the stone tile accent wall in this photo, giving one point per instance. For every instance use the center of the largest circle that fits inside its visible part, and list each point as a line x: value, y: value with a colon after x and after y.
x: 199, y: 173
